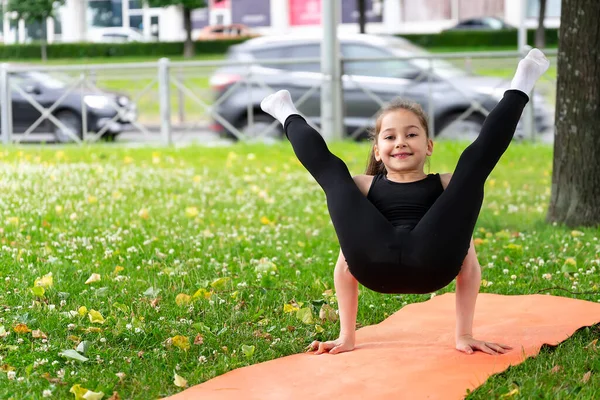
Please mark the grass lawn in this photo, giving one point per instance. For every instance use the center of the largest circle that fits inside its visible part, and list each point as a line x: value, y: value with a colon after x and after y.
x: 204, y: 256
x: 134, y: 81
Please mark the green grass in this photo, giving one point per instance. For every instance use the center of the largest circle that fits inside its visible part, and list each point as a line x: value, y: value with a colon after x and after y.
x: 209, y: 220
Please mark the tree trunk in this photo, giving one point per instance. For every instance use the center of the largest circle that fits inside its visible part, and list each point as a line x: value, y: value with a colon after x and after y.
x: 362, y: 15
x: 540, y: 36
x: 575, y: 199
x: 188, y: 47
x: 44, y: 46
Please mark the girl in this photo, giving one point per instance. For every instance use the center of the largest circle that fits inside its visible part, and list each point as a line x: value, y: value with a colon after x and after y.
x: 400, y: 230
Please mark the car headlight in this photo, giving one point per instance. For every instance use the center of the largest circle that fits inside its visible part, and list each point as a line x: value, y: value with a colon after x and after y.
x: 98, y: 102
x: 123, y: 101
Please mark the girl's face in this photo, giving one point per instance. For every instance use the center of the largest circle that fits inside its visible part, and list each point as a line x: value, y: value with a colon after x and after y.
x: 402, y: 144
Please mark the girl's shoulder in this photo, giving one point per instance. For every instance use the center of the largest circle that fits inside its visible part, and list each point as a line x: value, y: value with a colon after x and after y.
x: 363, y: 182
x: 445, y: 179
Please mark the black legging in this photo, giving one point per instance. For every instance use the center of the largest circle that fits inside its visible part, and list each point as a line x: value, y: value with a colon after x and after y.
x: 387, y: 259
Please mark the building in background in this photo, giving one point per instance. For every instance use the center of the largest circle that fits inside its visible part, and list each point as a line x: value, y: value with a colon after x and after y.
x: 81, y: 20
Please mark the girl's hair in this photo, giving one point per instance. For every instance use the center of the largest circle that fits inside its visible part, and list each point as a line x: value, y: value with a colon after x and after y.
x: 375, y: 167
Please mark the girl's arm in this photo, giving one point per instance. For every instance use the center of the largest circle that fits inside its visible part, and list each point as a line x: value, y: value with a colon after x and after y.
x: 467, y: 288
x: 346, y: 290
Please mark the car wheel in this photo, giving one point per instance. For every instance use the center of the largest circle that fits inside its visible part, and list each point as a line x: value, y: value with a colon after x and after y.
x: 259, y: 130
x: 467, y: 128
x: 71, y: 121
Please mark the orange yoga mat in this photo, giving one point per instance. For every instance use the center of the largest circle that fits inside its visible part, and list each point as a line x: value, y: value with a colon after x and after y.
x: 411, y: 354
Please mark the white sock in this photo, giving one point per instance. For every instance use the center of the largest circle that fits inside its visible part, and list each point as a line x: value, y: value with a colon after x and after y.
x: 279, y: 105
x: 529, y: 70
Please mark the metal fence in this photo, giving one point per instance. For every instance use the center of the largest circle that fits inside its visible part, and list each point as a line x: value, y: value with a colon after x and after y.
x: 169, y: 102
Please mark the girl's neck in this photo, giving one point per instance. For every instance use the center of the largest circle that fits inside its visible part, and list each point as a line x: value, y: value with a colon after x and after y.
x: 406, y: 176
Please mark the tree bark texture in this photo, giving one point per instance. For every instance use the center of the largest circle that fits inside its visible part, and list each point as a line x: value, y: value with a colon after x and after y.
x: 575, y: 199
x: 188, y: 47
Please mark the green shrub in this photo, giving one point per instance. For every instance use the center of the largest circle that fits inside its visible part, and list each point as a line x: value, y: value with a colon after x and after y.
x: 451, y: 39
x: 91, y: 50
x: 476, y: 38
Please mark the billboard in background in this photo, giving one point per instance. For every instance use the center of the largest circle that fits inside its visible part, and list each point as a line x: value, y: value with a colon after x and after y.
x: 200, y: 18
x: 305, y: 12
x: 251, y: 13
x: 219, y: 4
x: 373, y: 10
x: 308, y: 12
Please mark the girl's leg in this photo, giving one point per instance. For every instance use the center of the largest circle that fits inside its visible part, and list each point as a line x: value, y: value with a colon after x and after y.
x: 443, y: 235
x: 361, y: 229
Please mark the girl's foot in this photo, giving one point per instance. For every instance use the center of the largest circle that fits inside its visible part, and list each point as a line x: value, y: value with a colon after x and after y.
x: 279, y: 105
x: 529, y: 70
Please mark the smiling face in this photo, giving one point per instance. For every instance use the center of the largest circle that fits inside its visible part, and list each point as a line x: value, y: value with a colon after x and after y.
x: 402, y: 142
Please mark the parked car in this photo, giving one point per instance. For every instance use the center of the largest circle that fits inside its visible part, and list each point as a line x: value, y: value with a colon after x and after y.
x: 455, y: 94
x: 491, y: 23
x: 213, y: 32
x: 101, y: 107
x: 116, y: 35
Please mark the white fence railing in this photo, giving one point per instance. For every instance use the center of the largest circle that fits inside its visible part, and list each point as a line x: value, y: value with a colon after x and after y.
x: 166, y: 101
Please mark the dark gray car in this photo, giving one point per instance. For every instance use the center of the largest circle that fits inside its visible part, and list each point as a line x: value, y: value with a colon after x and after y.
x: 458, y: 99
x: 101, y: 107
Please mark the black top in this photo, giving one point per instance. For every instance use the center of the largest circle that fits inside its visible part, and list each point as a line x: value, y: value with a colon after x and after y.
x: 404, y: 204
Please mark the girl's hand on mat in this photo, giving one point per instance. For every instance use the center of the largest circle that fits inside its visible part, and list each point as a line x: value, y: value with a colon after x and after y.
x: 467, y: 344
x: 332, y: 346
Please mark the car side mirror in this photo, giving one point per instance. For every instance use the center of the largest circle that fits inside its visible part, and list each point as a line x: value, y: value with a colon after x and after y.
x: 32, y: 89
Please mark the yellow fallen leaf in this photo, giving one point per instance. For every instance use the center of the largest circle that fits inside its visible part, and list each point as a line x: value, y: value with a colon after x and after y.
x: 95, y: 317
x: 183, y: 299
x: 89, y: 395
x: 82, y: 310
x: 38, y: 334
x: 78, y: 391
x: 21, y: 328
x: 118, y: 269
x: 328, y: 313
x: 93, y: 278
x: 45, y: 281
x: 92, y: 199
x: 577, y: 233
x: 305, y: 315
x: 179, y: 381
x: 92, y: 329
x: 202, y: 293
x: 288, y: 308
x: 182, y: 342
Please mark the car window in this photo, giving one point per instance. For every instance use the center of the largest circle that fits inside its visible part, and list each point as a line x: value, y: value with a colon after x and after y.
x: 304, y: 51
x: 273, y: 53
x: 391, y: 68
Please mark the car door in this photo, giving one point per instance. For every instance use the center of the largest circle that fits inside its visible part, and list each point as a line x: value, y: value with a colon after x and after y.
x: 368, y: 83
x: 24, y: 114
